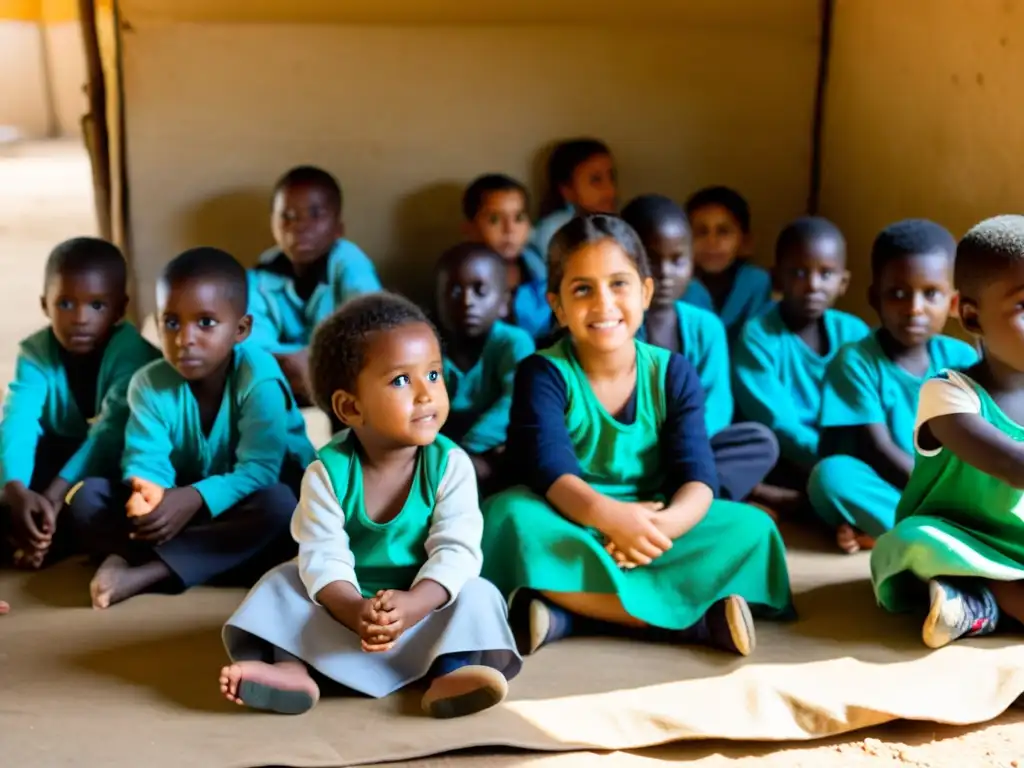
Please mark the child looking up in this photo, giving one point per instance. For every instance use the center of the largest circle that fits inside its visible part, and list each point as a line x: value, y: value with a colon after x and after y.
x: 65, y: 412
x: 213, y: 430
x: 312, y: 270
x: 386, y: 589
x: 958, y: 542
x: 581, y: 179
x: 744, y: 453
x: 481, y: 352
x: 616, y: 526
x: 496, y: 215
x: 780, y: 358
x: 728, y: 284
x: 870, y: 398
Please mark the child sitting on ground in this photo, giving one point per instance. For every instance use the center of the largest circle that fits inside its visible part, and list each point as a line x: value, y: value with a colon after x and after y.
x: 65, y: 413
x: 744, y: 453
x: 581, y: 180
x: 212, y: 433
x: 615, y: 527
x: 958, y: 541
x: 480, y: 353
x: 496, y: 214
x: 386, y: 590
x: 780, y: 358
x: 870, y: 397
x: 728, y: 284
x: 312, y: 270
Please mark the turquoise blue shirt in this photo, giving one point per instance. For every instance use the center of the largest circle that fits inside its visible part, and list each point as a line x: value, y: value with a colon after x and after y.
x: 702, y: 342
x: 750, y: 296
x: 530, y: 308
x: 863, y: 386
x: 546, y: 228
x: 778, y: 380
x: 257, y: 428
x: 40, y: 402
x: 282, y: 321
x: 486, y: 388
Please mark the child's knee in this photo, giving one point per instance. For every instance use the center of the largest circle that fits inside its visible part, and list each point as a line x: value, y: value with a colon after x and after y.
x: 276, y: 502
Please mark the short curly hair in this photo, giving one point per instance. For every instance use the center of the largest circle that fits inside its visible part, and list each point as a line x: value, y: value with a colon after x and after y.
x: 988, y: 248
x: 804, y: 230
x: 910, y: 237
x: 337, y: 352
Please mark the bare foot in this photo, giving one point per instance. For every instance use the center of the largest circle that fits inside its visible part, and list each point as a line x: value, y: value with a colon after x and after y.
x: 4, y: 608
x: 285, y: 687
x: 846, y: 538
x: 29, y: 559
x: 116, y: 580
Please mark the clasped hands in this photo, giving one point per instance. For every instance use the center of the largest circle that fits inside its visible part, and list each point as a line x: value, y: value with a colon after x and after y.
x: 637, y: 532
x: 159, y: 514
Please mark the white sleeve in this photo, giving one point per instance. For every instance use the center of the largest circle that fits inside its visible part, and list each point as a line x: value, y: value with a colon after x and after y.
x: 318, y: 525
x: 456, y: 529
x: 953, y: 393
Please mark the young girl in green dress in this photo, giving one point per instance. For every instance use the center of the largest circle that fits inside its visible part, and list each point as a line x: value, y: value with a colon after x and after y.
x: 614, y: 522
x: 386, y: 588
x: 959, y: 536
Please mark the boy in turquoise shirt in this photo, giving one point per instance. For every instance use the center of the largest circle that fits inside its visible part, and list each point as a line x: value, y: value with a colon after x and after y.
x: 728, y: 284
x: 311, y: 272
x: 870, y: 397
x: 214, y: 446
x: 481, y: 352
x: 744, y: 453
x: 780, y: 358
x: 65, y: 412
x: 496, y: 208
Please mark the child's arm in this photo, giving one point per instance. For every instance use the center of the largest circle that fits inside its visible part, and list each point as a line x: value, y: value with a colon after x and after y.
x: 691, y: 479
x: 327, y: 565
x: 762, y: 397
x: 853, y: 419
x: 147, y: 435
x: 491, y: 427
x: 949, y: 417
x: 262, y: 436
x: 540, y: 440
x: 20, y: 428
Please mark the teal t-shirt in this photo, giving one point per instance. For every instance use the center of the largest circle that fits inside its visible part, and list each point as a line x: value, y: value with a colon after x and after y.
x: 863, y: 386
x: 750, y: 296
x: 257, y: 427
x: 485, y: 390
x: 40, y: 402
x: 778, y: 380
x: 282, y: 322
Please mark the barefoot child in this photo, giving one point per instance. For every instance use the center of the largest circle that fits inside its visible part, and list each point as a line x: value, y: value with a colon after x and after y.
x: 496, y: 211
x: 386, y: 589
x: 870, y: 397
x: 581, y: 180
x: 481, y: 353
x: 959, y: 529
x: 744, y: 453
x: 312, y: 271
x: 616, y: 522
x: 213, y: 428
x: 65, y: 413
x: 780, y: 358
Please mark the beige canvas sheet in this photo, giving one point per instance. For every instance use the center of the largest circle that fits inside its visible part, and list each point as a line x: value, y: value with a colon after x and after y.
x: 137, y: 685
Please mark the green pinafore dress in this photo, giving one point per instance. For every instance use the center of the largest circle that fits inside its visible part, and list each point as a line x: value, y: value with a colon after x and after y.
x: 735, y: 549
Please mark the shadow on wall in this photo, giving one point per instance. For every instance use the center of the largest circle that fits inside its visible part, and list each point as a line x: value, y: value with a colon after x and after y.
x: 426, y: 223
x: 237, y: 221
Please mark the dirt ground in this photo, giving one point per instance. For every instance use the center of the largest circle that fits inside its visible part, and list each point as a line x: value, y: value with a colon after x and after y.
x: 45, y: 196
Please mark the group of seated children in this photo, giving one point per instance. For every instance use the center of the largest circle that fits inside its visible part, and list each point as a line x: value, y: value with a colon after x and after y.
x: 482, y: 498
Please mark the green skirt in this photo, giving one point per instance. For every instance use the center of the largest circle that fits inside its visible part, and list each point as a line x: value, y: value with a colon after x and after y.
x: 734, y: 550
x: 922, y: 547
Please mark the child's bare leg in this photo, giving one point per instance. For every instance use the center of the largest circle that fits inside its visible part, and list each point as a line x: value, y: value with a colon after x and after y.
x: 1009, y: 596
x: 116, y: 580
x: 285, y: 687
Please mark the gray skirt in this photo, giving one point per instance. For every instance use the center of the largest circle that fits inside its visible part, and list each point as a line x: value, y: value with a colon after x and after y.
x: 277, y: 615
